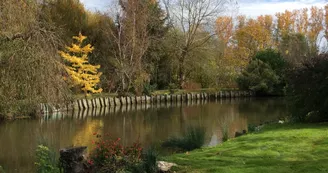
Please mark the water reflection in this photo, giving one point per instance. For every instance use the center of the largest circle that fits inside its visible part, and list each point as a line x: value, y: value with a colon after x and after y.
x: 146, y: 123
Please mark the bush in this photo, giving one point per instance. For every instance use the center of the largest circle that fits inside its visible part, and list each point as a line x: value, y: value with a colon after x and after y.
x: 1, y: 170
x: 192, y: 139
x: 265, y: 74
x: 148, y: 164
x: 260, y: 78
x: 251, y: 128
x: 273, y: 59
x: 111, y: 156
x: 46, y: 160
x: 308, y: 90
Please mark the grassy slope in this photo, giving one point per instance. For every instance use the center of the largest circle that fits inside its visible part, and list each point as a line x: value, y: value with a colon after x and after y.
x: 277, y: 148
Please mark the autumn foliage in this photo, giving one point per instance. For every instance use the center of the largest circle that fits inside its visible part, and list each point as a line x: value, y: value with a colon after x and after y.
x: 80, y: 71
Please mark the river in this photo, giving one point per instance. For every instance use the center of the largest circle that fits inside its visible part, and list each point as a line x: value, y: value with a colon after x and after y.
x: 147, y: 123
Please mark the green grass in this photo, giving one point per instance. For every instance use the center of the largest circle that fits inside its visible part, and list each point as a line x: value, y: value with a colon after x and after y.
x: 276, y: 148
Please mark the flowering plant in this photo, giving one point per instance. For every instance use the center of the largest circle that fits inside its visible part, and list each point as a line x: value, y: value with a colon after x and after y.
x: 111, y: 156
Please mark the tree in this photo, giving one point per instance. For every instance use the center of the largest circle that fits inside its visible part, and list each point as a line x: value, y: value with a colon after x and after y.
x: 315, y: 27
x: 191, y: 17
x: 265, y: 74
x: 131, y: 41
x: 258, y: 77
x: 285, y: 23
x: 294, y: 47
x: 224, y: 28
x: 68, y: 15
x: 81, y: 72
x: 157, y: 59
x: 99, y: 35
x: 302, y: 21
x: 308, y: 89
x: 252, y: 37
x: 29, y: 62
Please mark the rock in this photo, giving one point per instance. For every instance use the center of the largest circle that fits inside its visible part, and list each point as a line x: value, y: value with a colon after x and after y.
x: 165, y: 166
x: 72, y: 160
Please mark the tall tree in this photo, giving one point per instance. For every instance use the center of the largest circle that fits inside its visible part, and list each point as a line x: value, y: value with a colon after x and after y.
x: 192, y: 16
x: 131, y: 41
x: 29, y: 62
x: 157, y: 53
x: 253, y: 36
x: 285, y: 23
x: 315, y: 27
x: 224, y: 28
x: 69, y: 15
x: 302, y: 20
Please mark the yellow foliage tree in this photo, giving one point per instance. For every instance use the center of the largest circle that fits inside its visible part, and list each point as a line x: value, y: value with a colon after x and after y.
x: 81, y: 72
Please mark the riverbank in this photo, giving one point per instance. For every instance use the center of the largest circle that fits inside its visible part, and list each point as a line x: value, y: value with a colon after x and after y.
x: 276, y: 148
x: 107, y: 101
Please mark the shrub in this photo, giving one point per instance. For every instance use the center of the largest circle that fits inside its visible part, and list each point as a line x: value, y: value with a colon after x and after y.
x: 148, y: 164
x: 273, y: 59
x: 111, y: 156
x: 251, y: 128
x: 46, y: 160
x: 308, y: 90
x: 193, y: 138
x: 260, y: 78
x: 1, y: 170
x: 265, y: 74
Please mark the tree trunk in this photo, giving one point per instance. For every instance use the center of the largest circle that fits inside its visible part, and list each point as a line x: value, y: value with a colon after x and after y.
x: 181, y: 68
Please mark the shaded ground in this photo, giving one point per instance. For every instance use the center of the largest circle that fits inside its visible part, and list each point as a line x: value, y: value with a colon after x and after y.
x: 277, y: 148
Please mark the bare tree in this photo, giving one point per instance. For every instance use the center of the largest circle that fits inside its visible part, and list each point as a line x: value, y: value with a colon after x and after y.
x: 131, y: 41
x: 193, y: 17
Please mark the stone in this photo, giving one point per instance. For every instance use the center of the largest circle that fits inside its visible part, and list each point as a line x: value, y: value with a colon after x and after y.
x: 165, y: 166
x: 73, y: 160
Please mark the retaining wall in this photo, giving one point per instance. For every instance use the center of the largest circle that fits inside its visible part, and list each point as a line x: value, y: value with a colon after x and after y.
x: 84, y: 104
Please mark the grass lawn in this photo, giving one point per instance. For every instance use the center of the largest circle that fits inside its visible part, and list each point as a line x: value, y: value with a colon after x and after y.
x: 276, y: 148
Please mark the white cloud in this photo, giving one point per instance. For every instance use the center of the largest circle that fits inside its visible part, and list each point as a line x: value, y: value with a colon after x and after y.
x: 96, y: 5
x: 256, y: 8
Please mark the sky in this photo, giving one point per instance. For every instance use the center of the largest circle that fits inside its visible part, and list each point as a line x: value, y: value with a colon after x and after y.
x: 250, y: 8
x: 253, y: 8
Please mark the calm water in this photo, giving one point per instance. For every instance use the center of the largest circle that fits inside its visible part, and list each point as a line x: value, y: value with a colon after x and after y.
x: 149, y: 124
